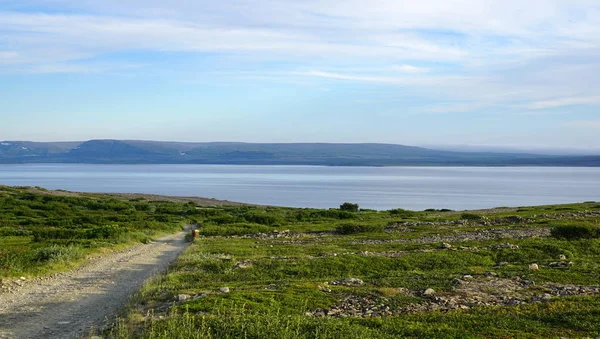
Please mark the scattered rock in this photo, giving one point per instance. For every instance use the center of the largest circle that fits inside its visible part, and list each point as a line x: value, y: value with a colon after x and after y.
x: 467, y: 277
x: 534, y: 267
x: 243, y: 264
x: 348, y: 282
x: 224, y: 289
x: 562, y: 257
x: 183, y: 297
x: 475, y: 293
x: 429, y: 291
x: 446, y: 246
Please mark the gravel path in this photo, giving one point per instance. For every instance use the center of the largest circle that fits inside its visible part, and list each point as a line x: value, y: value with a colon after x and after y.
x: 68, y: 304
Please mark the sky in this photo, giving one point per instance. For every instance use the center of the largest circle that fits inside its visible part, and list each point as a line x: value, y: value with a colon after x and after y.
x: 454, y: 72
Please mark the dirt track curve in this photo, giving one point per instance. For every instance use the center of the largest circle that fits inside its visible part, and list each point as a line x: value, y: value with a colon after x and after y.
x: 69, y: 304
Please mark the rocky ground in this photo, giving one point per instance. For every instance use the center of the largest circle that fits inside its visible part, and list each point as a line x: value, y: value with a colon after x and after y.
x: 469, y: 292
x: 67, y: 305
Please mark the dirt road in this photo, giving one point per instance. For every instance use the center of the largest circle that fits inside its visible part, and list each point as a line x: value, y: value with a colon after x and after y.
x: 67, y: 305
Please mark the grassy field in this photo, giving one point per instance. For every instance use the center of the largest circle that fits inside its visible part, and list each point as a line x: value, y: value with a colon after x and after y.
x: 45, y: 231
x: 260, y: 272
x: 269, y: 272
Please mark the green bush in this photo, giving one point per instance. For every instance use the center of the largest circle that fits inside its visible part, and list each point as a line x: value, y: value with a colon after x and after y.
x: 14, y: 232
x: 402, y: 213
x: 263, y: 218
x: 574, y: 232
x: 349, y: 207
x: 57, y: 253
x: 470, y: 216
x: 359, y: 228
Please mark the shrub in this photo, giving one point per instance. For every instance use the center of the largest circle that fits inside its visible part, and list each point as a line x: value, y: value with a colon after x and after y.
x: 359, y: 228
x: 349, y: 207
x: 470, y: 216
x: 11, y: 231
x: 402, y: 213
x: 263, y: 218
x: 574, y: 232
x: 57, y: 253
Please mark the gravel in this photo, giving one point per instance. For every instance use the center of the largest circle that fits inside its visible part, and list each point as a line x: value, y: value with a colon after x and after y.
x: 68, y: 304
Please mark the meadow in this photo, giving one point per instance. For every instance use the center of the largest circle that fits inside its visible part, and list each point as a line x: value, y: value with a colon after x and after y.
x: 42, y: 231
x: 275, y: 272
x: 267, y: 272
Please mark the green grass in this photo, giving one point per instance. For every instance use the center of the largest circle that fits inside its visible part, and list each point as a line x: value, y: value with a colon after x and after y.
x: 276, y: 280
x: 287, y: 276
x: 43, y: 233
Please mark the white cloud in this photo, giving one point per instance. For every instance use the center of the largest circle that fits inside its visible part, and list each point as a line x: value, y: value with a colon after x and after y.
x: 594, y: 124
x: 565, y: 102
x: 410, y: 69
x: 485, y: 53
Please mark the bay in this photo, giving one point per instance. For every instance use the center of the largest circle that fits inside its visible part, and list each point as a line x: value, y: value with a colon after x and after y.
x: 414, y: 188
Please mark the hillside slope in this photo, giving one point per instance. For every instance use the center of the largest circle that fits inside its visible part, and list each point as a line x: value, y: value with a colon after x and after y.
x: 328, y: 154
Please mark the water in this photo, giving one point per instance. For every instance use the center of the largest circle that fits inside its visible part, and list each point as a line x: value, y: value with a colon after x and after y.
x: 414, y: 188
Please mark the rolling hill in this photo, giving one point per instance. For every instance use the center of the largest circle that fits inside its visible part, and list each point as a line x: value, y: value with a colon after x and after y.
x: 327, y: 154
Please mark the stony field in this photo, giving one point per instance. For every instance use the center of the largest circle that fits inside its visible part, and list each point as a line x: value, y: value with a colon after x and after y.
x: 266, y: 272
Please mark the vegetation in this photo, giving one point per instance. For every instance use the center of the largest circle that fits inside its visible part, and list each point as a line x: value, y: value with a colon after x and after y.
x: 282, y: 276
x: 349, y: 207
x: 41, y: 233
x: 274, y: 272
x: 573, y: 232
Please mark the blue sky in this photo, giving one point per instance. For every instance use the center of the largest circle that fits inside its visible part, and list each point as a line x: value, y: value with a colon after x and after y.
x: 456, y: 72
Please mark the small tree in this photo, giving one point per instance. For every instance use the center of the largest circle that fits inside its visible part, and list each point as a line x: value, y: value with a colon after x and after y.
x: 349, y: 207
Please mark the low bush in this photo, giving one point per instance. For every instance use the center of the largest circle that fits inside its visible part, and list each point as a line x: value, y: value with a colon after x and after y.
x: 575, y: 232
x: 349, y: 207
x: 57, y: 253
x: 233, y: 229
x: 359, y: 228
x: 470, y: 216
x: 13, y: 232
x: 402, y: 213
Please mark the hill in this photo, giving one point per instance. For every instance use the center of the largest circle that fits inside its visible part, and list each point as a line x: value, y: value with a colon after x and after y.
x: 236, y: 153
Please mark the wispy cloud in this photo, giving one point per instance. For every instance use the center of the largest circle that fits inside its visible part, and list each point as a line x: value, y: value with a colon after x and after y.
x: 410, y: 69
x: 565, y: 102
x: 594, y: 124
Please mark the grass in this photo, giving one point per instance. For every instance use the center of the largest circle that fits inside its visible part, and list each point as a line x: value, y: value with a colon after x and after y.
x: 280, y: 265
x: 44, y: 233
x: 290, y: 277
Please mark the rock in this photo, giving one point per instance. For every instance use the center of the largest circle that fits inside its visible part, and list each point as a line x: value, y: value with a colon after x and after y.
x: 348, y: 282
x: 534, y: 267
x: 183, y: 297
x: 429, y: 291
x: 446, y: 246
x: 502, y: 263
x: 491, y: 274
x: 23, y: 278
x: 546, y: 296
x: 243, y: 264
x: 224, y: 289
x: 562, y: 257
x: 467, y: 277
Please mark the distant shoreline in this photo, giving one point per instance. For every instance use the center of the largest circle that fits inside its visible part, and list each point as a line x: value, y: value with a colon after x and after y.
x: 129, y: 152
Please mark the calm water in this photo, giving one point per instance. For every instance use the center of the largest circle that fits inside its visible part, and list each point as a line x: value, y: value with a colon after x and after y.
x: 415, y: 188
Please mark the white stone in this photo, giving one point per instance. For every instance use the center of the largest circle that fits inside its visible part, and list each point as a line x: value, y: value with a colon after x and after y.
x: 429, y: 291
